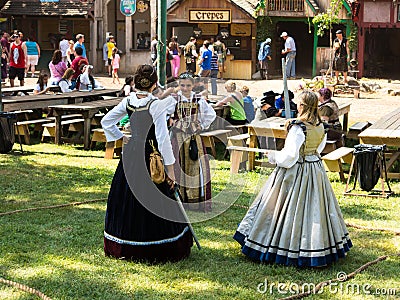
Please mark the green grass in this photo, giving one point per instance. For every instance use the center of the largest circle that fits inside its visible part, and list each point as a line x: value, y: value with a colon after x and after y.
x: 60, y: 251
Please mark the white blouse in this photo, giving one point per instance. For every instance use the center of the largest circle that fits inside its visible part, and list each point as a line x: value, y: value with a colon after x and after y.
x: 159, y: 110
x: 206, y: 112
x: 289, y: 155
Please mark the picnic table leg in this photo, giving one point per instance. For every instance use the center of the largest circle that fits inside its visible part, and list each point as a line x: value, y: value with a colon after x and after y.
x: 86, y: 133
x: 252, y: 155
x: 58, y: 130
x: 345, y: 121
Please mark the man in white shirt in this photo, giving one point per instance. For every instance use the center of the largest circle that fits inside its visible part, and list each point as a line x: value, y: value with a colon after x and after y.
x: 64, y: 46
x: 290, y: 51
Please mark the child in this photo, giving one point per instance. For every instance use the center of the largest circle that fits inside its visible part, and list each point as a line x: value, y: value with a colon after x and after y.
x: 115, y: 64
x: 248, y: 104
x: 41, y: 87
x: 296, y: 219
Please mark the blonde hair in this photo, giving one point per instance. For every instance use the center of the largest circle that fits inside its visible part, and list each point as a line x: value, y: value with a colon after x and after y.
x: 231, y: 84
x: 68, y: 72
x: 309, y: 101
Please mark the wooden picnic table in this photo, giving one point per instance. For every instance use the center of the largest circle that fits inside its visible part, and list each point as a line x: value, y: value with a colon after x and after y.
x: 386, y: 131
x: 17, y: 89
x: 87, y: 110
x: 275, y: 127
x: 42, y: 101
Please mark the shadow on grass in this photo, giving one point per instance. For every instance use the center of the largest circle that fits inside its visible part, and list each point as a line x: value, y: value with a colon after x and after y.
x: 38, y: 185
x: 60, y: 253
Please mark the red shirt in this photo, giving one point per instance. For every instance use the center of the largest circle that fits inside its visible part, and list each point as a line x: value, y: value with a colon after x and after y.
x: 17, y: 56
x: 76, y: 65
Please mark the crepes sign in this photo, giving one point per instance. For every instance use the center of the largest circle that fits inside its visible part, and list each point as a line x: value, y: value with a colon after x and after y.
x: 210, y: 16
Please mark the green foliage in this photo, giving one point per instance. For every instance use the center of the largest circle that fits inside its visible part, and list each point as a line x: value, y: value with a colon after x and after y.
x: 353, y: 38
x: 325, y: 20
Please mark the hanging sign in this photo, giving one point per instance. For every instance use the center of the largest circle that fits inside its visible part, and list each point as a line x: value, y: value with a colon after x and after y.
x: 210, y: 16
x: 128, y: 7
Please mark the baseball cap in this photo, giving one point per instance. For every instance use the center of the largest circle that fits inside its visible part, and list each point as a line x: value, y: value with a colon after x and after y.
x: 284, y: 34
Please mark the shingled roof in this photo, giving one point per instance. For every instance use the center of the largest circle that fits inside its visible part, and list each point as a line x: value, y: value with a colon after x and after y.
x: 37, y: 8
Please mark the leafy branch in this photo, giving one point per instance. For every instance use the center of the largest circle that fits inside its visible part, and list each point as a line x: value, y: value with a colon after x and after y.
x: 325, y: 20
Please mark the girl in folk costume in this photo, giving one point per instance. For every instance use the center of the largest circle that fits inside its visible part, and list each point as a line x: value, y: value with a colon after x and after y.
x: 143, y: 221
x: 192, y: 169
x: 296, y: 219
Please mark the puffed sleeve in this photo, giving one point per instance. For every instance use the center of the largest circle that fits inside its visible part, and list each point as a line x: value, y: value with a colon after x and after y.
x: 288, y: 156
x: 110, y: 120
x: 159, y: 111
x: 206, y: 114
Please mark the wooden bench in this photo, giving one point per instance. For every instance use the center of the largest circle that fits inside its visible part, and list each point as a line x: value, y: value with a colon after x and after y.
x: 236, y: 128
x: 22, y: 128
x: 75, y: 125
x: 333, y: 161
x: 208, y: 138
x: 356, y: 129
x: 240, y: 140
x: 112, y: 148
x: 237, y: 154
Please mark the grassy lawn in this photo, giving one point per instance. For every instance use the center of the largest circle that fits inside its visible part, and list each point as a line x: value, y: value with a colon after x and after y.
x: 60, y: 251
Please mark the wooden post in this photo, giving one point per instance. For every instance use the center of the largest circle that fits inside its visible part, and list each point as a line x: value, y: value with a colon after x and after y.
x: 285, y: 90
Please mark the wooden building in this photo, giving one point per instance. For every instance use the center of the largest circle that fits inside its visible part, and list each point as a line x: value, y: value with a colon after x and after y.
x: 46, y: 22
x: 378, y: 24
x: 234, y: 20
x: 295, y: 17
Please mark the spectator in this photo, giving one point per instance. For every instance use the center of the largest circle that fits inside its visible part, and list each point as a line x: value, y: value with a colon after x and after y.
x: 80, y: 39
x: 248, y: 104
x: 33, y: 51
x: 267, y: 109
x: 141, y: 42
x: 86, y: 79
x: 57, y: 67
x: 176, y: 60
x: 280, y: 104
x: 191, y: 55
x: 235, y: 101
x: 70, y: 53
x: 4, y: 62
x: 115, y: 64
x: 264, y: 55
x: 64, y: 46
x: 65, y: 83
x: 220, y: 48
x: 18, y: 60
x: 110, y: 47
x: 5, y: 42
x: 78, y: 61
x: 105, y: 54
x: 153, y: 48
x: 41, y: 86
x: 214, y: 73
x: 290, y: 52
x: 128, y: 87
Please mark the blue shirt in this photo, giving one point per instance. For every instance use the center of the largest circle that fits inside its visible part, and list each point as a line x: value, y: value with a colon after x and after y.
x: 265, y: 50
x: 31, y: 48
x: 206, y: 64
x: 248, y: 108
x: 83, y: 48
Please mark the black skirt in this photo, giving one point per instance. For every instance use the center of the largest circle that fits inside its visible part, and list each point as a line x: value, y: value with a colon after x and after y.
x: 133, y: 232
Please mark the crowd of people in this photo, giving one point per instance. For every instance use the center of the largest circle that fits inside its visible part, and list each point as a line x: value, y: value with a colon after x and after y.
x: 68, y: 68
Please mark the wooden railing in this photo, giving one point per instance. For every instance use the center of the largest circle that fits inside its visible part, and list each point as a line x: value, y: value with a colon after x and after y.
x: 285, y: 5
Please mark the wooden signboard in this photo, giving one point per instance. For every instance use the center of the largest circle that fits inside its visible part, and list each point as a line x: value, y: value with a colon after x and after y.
x: 210, y: 16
